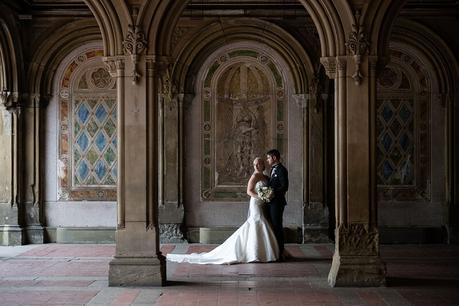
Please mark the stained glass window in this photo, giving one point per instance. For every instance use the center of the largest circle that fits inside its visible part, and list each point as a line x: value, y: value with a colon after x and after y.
x: 395, y: 141
x: 94, y: 138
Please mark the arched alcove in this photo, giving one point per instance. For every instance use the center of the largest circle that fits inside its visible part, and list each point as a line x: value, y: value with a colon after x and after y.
x: 243, y: 106
x: 80, y: 151
x: 412, y: 195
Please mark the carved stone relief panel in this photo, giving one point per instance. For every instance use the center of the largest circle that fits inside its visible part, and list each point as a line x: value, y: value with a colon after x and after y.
x: 403, y: 130
x: 242, y: 116
x: 87, y: 137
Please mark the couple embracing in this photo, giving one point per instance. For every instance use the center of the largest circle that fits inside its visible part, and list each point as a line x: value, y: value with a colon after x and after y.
x: 260, y: 238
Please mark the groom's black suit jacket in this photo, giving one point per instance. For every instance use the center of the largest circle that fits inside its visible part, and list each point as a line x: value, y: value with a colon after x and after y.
x: 279, y: 183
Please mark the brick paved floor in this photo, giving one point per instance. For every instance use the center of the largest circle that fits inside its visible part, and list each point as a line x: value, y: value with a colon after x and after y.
x: 62, y: 274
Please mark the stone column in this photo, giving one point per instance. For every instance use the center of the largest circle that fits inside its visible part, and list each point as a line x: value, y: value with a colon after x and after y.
x: 32, y: 170
x: 138, y: 261
x: 171, y: 211
x: 11, y: 212
x: 356, y: 261
x: 453, y: 160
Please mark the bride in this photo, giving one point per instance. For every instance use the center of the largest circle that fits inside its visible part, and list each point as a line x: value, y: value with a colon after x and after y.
x: 254, y: 241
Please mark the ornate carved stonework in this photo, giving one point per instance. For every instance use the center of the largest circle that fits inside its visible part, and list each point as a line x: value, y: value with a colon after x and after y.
x: 329, y: 64
x: 10, y: 101
x: 114, y: 65
x: 357, y: 240
x: 87, y: 135
x: 168, y: 89
x: 177, y: 35
x: 403, y: 130
x: 356, y: 259
x: 358, y: 45
x: 170, y: 233
x: 242, y: 114
x: 134, y: 44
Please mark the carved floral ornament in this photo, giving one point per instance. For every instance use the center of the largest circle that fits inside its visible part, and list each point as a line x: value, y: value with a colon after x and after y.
x: 168, y: 89
x: 114, y: 65
x: 134, y: 44
x: 358, y: 45
x: 10, y: 101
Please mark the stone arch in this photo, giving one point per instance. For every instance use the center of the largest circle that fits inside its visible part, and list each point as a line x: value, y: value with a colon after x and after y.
x: 379, y: 25
x: 440, y: 69
x: 269, y: 111
x: 10, y: 54
x: 205, y: 41
x: 434, y: 49
x: 159, y: 18
x: 54, y: 47
x: 112, y: 17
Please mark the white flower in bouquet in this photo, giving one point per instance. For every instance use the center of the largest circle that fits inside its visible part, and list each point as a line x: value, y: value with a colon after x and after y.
x: 265, y: 193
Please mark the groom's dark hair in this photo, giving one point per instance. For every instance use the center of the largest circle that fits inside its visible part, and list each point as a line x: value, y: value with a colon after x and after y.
x: 274, y: 152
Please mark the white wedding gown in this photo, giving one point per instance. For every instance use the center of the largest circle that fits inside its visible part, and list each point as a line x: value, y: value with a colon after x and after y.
x: 254, y: 241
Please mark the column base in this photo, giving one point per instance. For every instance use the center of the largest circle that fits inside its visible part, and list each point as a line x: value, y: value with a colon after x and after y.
x: 35, y: 234
x: 137, y: 271
x: 11, y: 235
x: 357, y: 271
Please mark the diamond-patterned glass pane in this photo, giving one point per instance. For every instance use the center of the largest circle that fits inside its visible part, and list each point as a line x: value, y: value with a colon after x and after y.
x: 387, y: 169
x: 387, y: 142
x: 82, y: 142
x: 395, y: 148
x: 404, y: 141
x: 100, y: 169
x: 83, y: 113
x: 100, y: 141
x: 387, y: 113
x: 83, y: 170
x: 405, y: 113
x: 110, y: 156
x: 94, y: 142
x: 110, y: 127
x: 101, y: 114
x: 395, y: 127
x: 92, y: 128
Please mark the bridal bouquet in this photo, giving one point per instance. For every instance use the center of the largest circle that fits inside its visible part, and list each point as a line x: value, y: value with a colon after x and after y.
x: 265, y: 193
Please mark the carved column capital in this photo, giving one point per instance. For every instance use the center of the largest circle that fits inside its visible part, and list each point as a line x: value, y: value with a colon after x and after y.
x: 38, y: 100
x: 168, y: 89
x: 329, y: 64
x: 134, y: 44
x: 358, y: 45
x: 151, y: 63
x: 341, y: 65
x: 114, y: 65
x: 10, y: 100
x: 301, y: 100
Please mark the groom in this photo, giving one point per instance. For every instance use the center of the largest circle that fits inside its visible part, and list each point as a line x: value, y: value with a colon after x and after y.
x: 278, y: 181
